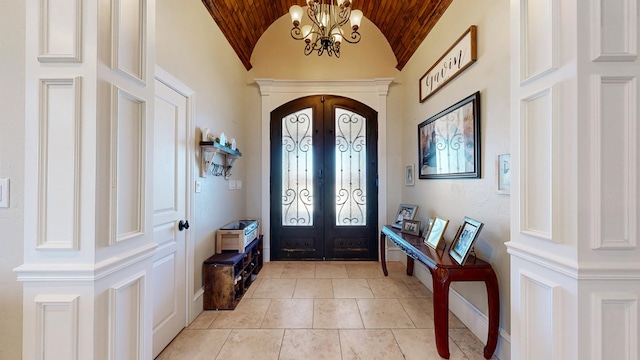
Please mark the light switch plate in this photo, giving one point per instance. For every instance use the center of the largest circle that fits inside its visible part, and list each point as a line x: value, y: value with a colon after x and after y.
x: 238, y: 184
x: 4, y: 193
x: 232, y: 184
x: 198, y: 186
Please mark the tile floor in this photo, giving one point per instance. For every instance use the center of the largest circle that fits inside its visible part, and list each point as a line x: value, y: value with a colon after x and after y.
x: 328, y: 310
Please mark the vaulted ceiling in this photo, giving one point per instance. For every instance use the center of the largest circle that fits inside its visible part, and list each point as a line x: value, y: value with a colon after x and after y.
x: 405, y: 23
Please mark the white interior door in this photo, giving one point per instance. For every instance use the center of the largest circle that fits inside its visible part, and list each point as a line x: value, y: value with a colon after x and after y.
x: 170, y: 204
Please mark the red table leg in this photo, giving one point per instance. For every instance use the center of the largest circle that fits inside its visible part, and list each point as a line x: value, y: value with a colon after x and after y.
x: 410, y: 263
x: 494, y: 313
x: 383, y: 255
x: 441, y: 284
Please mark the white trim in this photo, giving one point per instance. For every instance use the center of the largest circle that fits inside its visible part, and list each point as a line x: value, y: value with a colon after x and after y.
x: 116, y: 34
x: 628, y: 179
x: 548, y: 23
x: 526, y: 193
x: 83, y: 272
x: 572, y: 269
x: 137, y: 282
x: 74, y: 55
x: 274, y: 93
x: 629, y: 52
x: 45, y: 122
x: 114, y: 237
x: 528, y: 280
x: 628, y: 303
x: 548, y: 260
x: 61, y: 302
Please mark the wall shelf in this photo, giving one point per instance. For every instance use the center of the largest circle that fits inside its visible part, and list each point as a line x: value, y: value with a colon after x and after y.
x: 209, y: 151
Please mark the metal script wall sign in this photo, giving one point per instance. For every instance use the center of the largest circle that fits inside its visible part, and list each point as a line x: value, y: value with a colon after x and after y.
x: 460, y: 56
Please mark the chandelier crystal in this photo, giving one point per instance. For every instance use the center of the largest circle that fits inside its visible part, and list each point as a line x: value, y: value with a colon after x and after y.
x: 325, y: 34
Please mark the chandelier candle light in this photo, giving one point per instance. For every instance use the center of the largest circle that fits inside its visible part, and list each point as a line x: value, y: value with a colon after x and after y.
x: 327, y: 18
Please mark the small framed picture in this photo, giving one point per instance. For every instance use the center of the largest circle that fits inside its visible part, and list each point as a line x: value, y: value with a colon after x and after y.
x: 436, y: 232
x: 463, y: 242
x: 409, y: 175
x: 504, y: 173
x: 427, y: 228
x: 411, y: 227
x: 405, y: 212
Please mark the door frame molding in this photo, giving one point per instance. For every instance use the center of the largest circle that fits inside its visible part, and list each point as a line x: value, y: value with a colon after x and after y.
x: 178, y: 86
x: 274, y: 93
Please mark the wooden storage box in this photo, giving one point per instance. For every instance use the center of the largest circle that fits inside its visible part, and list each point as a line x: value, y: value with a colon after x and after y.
x: 236, y: 235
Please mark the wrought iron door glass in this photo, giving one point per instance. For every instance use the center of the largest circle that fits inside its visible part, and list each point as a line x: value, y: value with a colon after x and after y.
x: 350, y: 162
x: 297, y: 168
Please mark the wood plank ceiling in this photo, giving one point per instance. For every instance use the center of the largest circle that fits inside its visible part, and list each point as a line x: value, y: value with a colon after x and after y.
x: 405, y: 23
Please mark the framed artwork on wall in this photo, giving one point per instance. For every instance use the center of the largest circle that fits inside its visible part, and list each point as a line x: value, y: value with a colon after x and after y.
x: 504, y: 173
x: 409, y: 175
x: 449, y: 142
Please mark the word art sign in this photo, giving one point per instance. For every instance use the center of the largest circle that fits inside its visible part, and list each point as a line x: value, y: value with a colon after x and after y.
x: 460, y: 56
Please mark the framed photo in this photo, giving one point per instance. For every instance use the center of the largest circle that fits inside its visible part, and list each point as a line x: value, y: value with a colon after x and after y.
x: 405, y: 212
x: 427, y: 228
x: 435, y: 233
x: 411, y: 227
x: 409, y: 175
x: 504, y: 173
x: 463, y: 242
x: 449, y: 142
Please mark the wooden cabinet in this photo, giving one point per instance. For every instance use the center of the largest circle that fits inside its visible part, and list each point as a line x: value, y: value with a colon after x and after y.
x: 227, y: 276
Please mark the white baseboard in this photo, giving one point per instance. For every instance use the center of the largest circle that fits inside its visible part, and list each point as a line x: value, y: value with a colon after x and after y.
x: 470, y: 316
x: 395, y: 254
x: 197, y: 304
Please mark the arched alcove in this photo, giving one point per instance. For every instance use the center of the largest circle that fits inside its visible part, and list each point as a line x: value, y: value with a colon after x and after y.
x: 278, y: 55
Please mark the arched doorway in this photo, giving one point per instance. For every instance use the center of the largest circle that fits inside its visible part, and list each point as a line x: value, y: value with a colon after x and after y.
x: 324, y: 179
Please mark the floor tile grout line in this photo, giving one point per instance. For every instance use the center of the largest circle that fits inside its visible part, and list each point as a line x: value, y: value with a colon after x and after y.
x: 225, y: 341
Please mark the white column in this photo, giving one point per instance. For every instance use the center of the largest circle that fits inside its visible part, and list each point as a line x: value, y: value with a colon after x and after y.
x: 574, y: 206
x: 88, y: 123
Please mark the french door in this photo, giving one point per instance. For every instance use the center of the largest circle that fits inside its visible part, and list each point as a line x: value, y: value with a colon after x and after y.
x: 324, y: 196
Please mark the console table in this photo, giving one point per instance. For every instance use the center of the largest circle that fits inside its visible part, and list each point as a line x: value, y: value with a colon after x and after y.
x: 444, y: 270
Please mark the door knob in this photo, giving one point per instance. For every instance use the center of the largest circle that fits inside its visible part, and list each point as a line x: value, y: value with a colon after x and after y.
x: 183, y: 225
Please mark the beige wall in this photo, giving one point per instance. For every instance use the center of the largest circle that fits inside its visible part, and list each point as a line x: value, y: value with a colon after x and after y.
x: 277, y: 55
x: 12, y: 26
x: 476, y: 198
x: 191, y: 47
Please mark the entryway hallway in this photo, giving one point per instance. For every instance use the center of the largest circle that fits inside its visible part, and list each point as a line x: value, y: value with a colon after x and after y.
x: 325, y: 310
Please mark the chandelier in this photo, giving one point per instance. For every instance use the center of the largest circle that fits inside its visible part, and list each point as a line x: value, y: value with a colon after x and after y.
x: 325, y: 33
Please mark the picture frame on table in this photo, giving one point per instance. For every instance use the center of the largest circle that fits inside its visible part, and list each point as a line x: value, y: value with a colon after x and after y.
x: 405, y: 212
x: 409, y: 175
x: 449, y: 142
x: 436, y: 232
x: 427, y: 228
x: 411, y: 227
x: 463, y: 242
